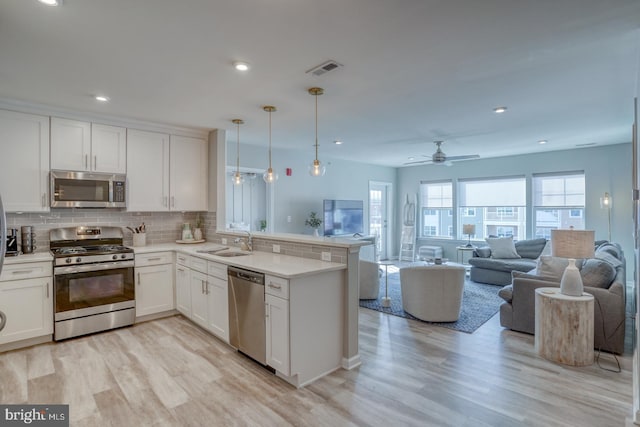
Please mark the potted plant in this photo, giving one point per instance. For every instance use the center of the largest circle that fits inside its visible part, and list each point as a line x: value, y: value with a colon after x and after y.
x: 263, y: 225
x: 314, y: 222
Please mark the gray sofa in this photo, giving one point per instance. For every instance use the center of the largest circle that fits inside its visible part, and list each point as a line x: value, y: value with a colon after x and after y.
x: 607, y: 285
x: 497, y: 271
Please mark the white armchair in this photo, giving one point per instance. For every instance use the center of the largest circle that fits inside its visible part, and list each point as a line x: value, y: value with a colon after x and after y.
x: 432, y: 292
x: 369, y: 280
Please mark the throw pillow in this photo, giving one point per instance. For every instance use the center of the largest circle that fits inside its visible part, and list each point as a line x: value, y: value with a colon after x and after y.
x: 531, y: 248
x: 506, y: 293
x: 550, y: 266
x: 484, y: 252
x: 502, y: 247
x: 597, y: 273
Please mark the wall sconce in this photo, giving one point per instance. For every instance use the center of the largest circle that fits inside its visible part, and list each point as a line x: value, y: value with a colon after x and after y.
x: 605, y: 203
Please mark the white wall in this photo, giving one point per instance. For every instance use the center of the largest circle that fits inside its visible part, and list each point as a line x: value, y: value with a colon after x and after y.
x: 299, y: 194
x: 606, y: 169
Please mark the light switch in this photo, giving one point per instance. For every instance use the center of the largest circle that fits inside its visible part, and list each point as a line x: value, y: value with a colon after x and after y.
x: 326, y: 256
x: 224, y: 240
x: 276, y: 249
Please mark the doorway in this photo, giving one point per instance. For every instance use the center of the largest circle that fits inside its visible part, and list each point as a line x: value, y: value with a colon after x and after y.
x: 380, y: 204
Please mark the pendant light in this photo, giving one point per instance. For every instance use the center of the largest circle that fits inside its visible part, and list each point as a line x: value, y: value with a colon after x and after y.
x: 238, y: 179
x: 316, y: 168
x: 269, y: 176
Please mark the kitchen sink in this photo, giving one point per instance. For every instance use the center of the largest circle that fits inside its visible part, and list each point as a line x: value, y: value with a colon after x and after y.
x: 231, y: 253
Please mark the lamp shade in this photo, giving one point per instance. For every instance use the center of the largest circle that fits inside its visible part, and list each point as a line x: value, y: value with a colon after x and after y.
x: 468, y: 229
x: 572, y: 243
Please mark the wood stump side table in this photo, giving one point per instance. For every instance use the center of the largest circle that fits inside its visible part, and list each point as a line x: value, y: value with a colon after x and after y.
x: 564, y: 327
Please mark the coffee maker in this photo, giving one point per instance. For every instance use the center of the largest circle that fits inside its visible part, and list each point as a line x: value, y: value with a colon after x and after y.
x: 12, y: 242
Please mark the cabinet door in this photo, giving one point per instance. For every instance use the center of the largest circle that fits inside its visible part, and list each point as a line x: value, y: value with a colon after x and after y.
x: 277, y: 323
x: 154, y: 289
x: 24, y: 164
x: 28, y: 306
x: 188, y: 174
x: 183, y: 290
x: 199, y: 298
x: 108, y: 149
x: 218, y: 308
x: 148, y: 176
x: 70, y: 144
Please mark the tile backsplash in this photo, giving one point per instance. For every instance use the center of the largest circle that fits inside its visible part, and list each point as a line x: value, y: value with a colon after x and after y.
x: 162, y: 227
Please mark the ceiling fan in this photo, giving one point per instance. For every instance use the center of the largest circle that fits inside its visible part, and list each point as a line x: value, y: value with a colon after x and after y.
x: 439, y: 157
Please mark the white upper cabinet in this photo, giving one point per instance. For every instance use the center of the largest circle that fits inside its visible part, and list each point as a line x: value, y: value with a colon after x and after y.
x: 24, y: 170
x: 83, y: 146
x: 188, y: 174
x: 108, y: 148
x: 148, y: 176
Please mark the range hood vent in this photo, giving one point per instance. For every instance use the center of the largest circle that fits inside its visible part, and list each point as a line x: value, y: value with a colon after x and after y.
x: 325, y: 67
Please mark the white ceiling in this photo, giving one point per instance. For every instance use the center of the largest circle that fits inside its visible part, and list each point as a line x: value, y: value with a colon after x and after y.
x: 414, y: 71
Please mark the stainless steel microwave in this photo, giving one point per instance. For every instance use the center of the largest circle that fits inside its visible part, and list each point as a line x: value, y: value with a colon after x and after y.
x: 87, y: 190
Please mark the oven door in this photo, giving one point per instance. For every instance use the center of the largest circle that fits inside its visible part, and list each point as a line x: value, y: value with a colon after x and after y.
x: 93, y: 289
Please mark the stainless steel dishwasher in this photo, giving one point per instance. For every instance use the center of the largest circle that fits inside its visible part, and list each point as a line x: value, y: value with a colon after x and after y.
x: 247, y: 313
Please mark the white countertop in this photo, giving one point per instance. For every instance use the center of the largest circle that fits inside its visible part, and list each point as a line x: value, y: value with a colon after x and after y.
x: 285, y: 266
x: 336, y: 242
x: 34, y: 257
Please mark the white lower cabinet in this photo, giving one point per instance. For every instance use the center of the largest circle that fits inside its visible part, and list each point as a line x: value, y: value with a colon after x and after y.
x: 27, y: 301
x: 154, y: 283
x: 218, y: 300
x: 277, y: 329
x: 183, y: 290
x: 199, y: 306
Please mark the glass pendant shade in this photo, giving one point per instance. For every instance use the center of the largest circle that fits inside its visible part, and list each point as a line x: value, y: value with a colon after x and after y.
x: 316, y: 168
x: 269, y: 175
x: 238, y: 179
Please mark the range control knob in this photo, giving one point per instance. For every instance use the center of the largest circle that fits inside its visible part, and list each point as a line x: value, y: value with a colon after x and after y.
x: 114, y: 257
x: 68, y: 260
x: 123, y: 256
x: 78, y: 259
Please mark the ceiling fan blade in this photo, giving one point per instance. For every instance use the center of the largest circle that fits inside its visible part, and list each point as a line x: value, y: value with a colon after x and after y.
x: 419, y: 162
x: 470, y: 156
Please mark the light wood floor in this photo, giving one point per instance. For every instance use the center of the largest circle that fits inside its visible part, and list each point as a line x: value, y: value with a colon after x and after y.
x: 169, y: 372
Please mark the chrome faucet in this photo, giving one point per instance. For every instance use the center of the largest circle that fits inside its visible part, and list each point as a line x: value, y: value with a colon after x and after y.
x: 246, y: 244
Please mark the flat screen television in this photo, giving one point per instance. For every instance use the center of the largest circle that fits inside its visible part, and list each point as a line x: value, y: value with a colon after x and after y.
x: 343, y: 217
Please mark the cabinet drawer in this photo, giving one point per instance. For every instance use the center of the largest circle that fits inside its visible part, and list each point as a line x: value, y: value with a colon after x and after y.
x: 276, y: 286
x: 155, y: 258
x: 183, y: 259
x: 198, y: 264
x: 25, y: 271
x: 217, y: 270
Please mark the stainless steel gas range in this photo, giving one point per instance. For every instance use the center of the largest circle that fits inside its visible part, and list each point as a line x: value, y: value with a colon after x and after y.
x: 94, y: 287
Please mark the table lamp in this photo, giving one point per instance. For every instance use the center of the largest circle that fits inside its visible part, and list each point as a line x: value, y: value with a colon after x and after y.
x: 469, y: 229
x: 572, y: 244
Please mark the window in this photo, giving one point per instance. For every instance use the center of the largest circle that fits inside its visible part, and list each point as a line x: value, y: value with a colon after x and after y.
x: 498, y: 206
x: 436, y: 203
x: 558, y: 202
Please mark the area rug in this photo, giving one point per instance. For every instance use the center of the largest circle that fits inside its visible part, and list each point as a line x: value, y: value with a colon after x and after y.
x: 479, y: 303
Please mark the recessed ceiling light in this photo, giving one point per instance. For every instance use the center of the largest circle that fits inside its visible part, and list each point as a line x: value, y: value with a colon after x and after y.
x: 102, y: 98
x: 542, y: 141
x: 51, y: 2
x: 241, y: 66
x: 499, y: 110
x: 337, y: 142
x: 410, y: 158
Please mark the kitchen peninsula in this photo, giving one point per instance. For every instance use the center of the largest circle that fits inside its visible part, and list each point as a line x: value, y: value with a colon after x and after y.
x: 312, y: 305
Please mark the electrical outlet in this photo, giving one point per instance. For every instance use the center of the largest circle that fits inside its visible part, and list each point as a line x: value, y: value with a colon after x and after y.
x: 276, y: 249
x: 224, y: 240
x: 326, y: 256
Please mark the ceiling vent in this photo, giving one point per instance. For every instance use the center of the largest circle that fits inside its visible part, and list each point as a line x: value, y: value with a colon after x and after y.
x: 324, y: 68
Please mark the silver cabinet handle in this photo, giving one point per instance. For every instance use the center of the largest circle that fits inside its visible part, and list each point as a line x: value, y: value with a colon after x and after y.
x: 181, y: 270
x: 154, y: 259
x: 22, y: 272
x: 207, y: 287
x: 266, y: 309
x: 165, y: 201
x: 47, y: 290
x: 173, y: 201
x: 203, y: 291
x: 3, y: 320
x: 44, y: 200
x: 139, y: 281
x: 95, y: 162
x: 86, y: 161
x: 272, y: 286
